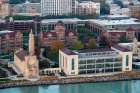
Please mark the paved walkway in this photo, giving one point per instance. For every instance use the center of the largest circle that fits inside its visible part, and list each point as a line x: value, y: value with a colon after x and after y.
x: 52, y: 81
x: 44, y: 58
x: 7, y: 71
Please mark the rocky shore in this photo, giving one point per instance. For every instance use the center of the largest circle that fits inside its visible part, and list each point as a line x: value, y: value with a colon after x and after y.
x: 74, y: 80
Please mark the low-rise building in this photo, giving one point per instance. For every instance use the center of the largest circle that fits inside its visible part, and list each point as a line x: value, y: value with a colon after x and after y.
x: 113, y: 22
x: 114, y: 9
x: 95, y: 61
x: 135, y: 11
x: 4, y: 8
x: 59, y: 33
x: 117, y: 35
x: 125, y: 11
x: 69, y: 23
x: 10, y: 41
x: 88, y: 8
x: 26, y: 9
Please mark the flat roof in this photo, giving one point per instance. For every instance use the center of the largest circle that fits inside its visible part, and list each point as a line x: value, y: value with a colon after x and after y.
x: 68, y: 52
x: 116, y: 31
x: 115, y: 16
x: 2, y: 20
x: 121, y: 48
x: 5, y: 31
x: 23, y: 20
x: 95, y: 50
x: 63, y: 20
x: 104, y: 22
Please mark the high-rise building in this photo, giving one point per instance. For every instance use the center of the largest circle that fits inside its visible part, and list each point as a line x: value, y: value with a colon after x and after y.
x: 57, y: 7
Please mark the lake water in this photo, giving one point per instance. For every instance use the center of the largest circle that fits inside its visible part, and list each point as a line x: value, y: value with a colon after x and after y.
x: 106, y: 87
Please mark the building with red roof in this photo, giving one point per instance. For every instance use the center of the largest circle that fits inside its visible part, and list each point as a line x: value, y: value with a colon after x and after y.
x: 59, y: 33
x: 10, y: 41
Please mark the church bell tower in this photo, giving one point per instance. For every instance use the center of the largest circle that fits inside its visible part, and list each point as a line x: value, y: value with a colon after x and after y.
x: 31, y: 44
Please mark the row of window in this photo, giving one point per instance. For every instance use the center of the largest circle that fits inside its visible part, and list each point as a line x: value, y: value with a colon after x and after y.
x: 100, y: 66
x: 100, y: 71
x: 100, y: 60
x: 101, y: 53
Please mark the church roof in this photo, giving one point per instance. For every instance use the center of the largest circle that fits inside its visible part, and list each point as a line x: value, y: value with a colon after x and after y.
x: 21, y: 54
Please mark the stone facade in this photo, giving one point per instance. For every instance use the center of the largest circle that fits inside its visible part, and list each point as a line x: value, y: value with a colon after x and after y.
x: 59, y: 33
x: 27, y: 63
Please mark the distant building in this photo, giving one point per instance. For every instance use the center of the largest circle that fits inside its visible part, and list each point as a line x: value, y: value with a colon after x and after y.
x: 109, y: 2
x: 4, y: 8
x: 135, y: 11
x: 57, y: 7
x: 114, y: 9
x: 26, y: 9
x: 116, y: 35
x: 95, y: 61
x: 10, y: 41
x: 125, y: 11
x: 113, y: 23
x: 26, y: 63
x: 127, y: 3
x: 59, y: 33
x: 69, y: 24
x: 21, y: 25
x: 88, y: 8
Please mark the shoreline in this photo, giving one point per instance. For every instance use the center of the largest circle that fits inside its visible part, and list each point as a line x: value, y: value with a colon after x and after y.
x: 75, y: 80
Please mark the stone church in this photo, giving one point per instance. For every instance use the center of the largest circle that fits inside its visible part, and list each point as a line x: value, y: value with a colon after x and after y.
x: 26, y: 63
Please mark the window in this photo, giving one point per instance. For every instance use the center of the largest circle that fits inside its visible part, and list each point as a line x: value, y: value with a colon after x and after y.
x: 127, y: 60
x: 72, y: 65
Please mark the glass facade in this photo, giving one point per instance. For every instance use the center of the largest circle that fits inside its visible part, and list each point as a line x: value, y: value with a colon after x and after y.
x: 72, y: 65
x: 127, y: 60
x: 105, y: 65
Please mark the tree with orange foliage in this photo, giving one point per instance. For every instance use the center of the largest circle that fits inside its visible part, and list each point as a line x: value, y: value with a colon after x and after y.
x: 91, y: 43
x: 56, y: 45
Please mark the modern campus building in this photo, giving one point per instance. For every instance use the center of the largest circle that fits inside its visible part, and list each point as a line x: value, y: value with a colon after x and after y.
x: 26, y: 63
x: 69, y: 24
x: 113, y: 23
x: 57, y: 7
x: 94, y: 61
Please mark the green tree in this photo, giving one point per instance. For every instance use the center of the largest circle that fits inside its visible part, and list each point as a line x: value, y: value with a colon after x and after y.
x: 124, y: 40
x: 91, y: 43
x: 77, y: 45
x: 84, y: 32
x: 53, y: 51
x: 104, y: 7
